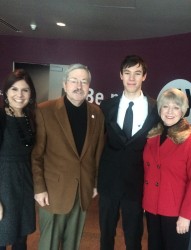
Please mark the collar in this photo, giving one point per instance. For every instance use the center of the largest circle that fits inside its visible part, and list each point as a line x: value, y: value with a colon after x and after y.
x: 124, y: 102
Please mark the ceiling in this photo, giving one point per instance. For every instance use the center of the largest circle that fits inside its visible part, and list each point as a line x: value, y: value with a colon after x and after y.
x: 95, y: 19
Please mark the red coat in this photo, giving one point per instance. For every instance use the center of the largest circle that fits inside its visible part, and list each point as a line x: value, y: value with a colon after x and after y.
x: 167, y: 178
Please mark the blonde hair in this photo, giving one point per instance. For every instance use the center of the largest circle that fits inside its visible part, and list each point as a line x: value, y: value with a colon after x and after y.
x: 175, y: 95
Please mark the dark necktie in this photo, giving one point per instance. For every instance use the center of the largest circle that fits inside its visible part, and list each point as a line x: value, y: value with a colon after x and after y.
x: 128, y: 121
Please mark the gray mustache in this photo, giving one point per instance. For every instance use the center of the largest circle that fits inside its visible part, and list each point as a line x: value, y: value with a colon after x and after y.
x: 78, y: 91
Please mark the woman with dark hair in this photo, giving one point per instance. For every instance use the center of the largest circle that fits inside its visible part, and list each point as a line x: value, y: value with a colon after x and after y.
x: 17, y: 127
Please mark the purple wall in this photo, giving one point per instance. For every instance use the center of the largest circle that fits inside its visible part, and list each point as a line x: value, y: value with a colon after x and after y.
x: 167, y: 58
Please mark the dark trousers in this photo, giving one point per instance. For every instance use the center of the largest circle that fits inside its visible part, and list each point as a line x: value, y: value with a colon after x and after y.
x: 20, y: 244
x: 132, y: 222
x: 162, y: 233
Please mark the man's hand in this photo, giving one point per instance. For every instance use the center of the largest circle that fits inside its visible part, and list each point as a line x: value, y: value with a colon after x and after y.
x: 1, y: 211
x: 95, y: 193
x: 182, y: 225
x: 42, y: 199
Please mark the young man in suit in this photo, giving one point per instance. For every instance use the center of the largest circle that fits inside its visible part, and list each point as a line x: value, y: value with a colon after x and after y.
x: 69, y: 142
x: 120, y: 176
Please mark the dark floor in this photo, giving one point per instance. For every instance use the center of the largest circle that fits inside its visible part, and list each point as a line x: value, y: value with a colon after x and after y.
x: 90, y: 239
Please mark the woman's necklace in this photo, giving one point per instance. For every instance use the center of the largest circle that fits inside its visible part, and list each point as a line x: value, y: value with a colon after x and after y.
x: 26, y: 135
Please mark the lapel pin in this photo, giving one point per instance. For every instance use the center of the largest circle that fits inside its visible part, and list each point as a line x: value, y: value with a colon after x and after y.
x: 93, y: 116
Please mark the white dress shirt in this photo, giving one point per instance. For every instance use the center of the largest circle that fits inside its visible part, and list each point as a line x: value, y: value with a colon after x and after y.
x: 140, y: 111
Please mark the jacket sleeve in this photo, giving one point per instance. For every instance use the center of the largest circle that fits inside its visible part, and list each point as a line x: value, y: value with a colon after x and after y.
x: 100, y: 144
x: 185, y: 210
x: 38, y: 155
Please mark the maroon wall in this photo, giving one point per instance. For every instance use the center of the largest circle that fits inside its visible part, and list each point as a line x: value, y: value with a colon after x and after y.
x: 168, y: 58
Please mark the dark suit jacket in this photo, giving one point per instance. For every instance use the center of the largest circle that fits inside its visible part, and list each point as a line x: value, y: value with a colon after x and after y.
x: 121, y: 165
x: 57, y: 167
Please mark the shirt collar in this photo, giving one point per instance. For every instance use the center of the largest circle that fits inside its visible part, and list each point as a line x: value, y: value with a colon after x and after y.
x: 124, y: 102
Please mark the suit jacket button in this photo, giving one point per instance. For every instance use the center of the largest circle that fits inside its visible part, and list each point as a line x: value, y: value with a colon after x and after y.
x: 158, y: 166
x: 156, y: 184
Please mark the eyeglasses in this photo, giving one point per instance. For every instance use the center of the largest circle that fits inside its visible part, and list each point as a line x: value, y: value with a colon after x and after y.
x: 75, y: 81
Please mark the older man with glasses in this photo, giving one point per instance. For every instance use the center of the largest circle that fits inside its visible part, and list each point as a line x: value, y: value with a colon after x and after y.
x: 69, y: 143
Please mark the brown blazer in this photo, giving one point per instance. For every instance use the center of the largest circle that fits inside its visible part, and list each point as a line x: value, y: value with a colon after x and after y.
x: 57, y: 167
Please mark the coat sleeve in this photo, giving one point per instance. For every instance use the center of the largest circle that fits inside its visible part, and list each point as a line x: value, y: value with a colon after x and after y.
x: 38, y: 155
x: 185, y: 210
x: 100, y: 144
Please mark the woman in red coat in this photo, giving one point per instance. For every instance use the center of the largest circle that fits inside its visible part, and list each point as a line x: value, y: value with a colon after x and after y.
x: 167, y: 178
